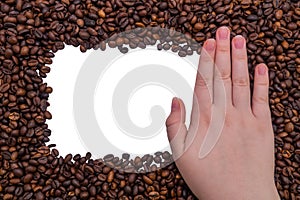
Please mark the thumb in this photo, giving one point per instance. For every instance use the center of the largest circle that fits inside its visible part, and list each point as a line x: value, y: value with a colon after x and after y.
x: 176, y: 128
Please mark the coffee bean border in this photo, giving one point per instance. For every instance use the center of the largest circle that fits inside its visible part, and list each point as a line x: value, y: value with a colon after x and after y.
x: 32, y: 31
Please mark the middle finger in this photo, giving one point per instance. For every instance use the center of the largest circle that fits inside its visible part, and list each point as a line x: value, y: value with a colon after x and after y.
x: 222, y: 74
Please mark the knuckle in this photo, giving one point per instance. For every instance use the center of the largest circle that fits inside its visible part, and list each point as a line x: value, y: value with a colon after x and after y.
x: 260, y: 99
x: 223, y: 48
x: 205, y: 121
x: 202, y: 81
x: 242, y: 81
x: 224, y: 76
x: 222, y: 73
x: 172, y: 120
x: 241, y: 56
x: 206, y: 58
x: 262, y: 83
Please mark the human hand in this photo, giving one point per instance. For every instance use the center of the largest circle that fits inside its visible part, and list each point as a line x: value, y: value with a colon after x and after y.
x: 240, y: 166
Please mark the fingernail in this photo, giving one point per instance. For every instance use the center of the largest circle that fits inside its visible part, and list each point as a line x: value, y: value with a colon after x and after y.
x: 210, y: 45
x: 223, y: 33
x: 262, y: 70
x: 239, y: 42
x: 175, y: 104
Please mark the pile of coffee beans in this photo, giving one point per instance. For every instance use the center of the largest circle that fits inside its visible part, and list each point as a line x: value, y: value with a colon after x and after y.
x: 32, y: 31
x: 167, y: 39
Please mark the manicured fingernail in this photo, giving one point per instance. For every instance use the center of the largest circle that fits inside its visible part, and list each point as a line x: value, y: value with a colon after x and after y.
x: 210, y: 45
x: 239, y: 42
x: 223, y: 33
x: 175, y: 104
x: 262, y: 70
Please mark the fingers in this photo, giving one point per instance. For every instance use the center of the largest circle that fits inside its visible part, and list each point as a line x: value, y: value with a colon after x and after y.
x: 222, y: 73
x: 260, y: 100
x: 204, y: 79
x: 203, y: 92
x: 240, y: 76
x: 176, y: 128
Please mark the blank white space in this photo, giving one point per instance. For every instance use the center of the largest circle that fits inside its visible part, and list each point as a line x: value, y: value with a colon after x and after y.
x: 64, y: 70
x: 62, y: 78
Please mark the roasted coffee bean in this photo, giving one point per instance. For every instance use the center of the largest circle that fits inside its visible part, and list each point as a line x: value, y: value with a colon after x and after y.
x: 18, y: 172
x: 39, y: 195
x: 25, y: 51
x: 84, y: 35
x: 289, y: 127
x: 252, y: 17
x: 278, y: 14
x: 4, y: 87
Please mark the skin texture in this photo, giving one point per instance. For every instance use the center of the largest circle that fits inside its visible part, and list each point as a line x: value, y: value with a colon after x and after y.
x: 240, y: 166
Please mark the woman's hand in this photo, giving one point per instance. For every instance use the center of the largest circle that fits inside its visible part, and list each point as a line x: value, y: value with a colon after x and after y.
x: 227, y: 153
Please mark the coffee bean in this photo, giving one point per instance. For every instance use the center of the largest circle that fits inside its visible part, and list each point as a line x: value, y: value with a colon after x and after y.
x: 28, y: 178
x: 127, y: 190
x: 24, y: 51
x: 199, y: 26
x: 84, y: 35
x: 182, y: 53
x: 4, y: 88
x: 101, y: 14
x: 289, y: 127
x: 278, y: 14
x: 125, y: 156
x: 8, y: 197
x: 84, y: 195
x: 89, y: 22
x: 279, y: 49
x: 124, y: 50
x: 292, y: 26
x: 132, y: 178
x: 163, y: 5
x: 279, y: 37
x: 108, y: 157
x: 252, y: 17
x: 138, y: 197
x: 159, y: 47
x: 182, y: 20
x: 147, y: 180
x: 110, y: 176
x: 166, y: 46
x: 39, y: 195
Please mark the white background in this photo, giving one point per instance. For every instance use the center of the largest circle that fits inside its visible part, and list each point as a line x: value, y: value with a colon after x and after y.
x: 62, y: 78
